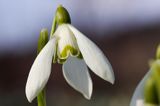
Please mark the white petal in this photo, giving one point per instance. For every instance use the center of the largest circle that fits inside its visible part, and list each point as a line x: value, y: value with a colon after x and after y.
x: 76, y: 74
x: 138, y: 96
x: 40, y: 71
x: 93, y: 56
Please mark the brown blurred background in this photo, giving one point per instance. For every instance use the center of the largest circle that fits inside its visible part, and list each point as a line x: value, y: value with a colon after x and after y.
x: 129, y: 45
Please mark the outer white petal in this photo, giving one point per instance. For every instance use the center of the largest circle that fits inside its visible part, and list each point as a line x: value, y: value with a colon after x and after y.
x: 76, y: 74
x: 40, y: 71
x: 137, y: 99
x: 93, y: 56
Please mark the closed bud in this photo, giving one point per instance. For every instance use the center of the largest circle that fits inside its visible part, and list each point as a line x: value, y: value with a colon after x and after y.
x: 43, y: 39
x: 62, y: 15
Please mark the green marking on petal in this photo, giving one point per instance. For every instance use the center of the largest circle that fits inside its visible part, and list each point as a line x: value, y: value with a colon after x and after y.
x: 68, y: 49
x: 61, y: 61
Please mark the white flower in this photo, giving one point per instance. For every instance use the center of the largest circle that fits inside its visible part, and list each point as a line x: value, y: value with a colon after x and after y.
x: 68, y: 46
x: 146, y: 93
x: 138, y: 96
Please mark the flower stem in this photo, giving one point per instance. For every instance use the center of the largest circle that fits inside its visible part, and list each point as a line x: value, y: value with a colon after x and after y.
x: 41, y: 98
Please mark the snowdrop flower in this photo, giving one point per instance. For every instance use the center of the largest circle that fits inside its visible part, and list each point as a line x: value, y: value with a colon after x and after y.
x: 138, y: 96
x: 147, y: 91
x: 75, y: 51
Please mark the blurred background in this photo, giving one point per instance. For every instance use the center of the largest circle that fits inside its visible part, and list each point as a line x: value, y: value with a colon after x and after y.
x: 128, y: 32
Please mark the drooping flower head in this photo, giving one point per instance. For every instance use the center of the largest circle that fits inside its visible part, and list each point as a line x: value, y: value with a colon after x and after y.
x: 147, y: 92
x: 75, y: 51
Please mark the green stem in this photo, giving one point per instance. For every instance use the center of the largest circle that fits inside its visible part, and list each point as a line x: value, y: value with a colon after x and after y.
x: 41, y: 98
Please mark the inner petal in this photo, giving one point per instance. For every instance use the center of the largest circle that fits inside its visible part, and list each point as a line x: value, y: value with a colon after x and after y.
x: 67, y: 44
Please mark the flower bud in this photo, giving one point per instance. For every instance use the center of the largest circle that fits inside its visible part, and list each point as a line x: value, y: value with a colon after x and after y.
x: 62, y: 15
x: 43, y: 39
